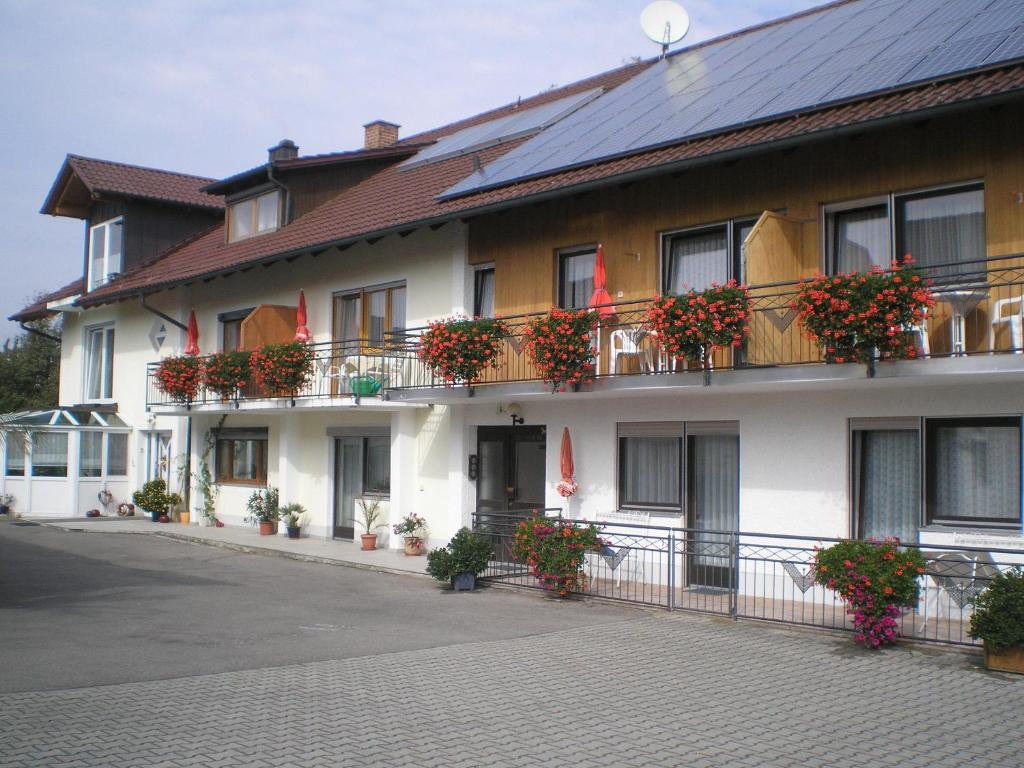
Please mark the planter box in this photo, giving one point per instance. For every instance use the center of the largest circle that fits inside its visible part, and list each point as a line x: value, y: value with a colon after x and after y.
x: 464, y: 582
x: 1007, y: 660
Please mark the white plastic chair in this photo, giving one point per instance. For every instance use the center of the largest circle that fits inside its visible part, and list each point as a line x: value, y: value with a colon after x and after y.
x: 1015, y: 320
x: 624, y: 559
x: 922, y: 344
x: 622, y: 342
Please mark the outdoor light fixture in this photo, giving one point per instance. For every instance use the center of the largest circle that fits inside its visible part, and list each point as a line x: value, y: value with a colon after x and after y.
x: 514, y: 409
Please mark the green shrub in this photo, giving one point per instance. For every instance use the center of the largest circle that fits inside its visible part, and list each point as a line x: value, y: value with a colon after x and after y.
x: 465, y: 553
x: 998, y: 616
x: 154, y: 497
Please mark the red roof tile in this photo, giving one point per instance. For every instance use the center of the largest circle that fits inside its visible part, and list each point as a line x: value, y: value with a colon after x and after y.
x: 397, y: 198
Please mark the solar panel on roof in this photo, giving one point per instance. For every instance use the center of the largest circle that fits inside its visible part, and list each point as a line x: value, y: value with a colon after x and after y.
x: 829, y: 56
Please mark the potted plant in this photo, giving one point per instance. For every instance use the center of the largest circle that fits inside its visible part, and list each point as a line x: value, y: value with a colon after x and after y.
x: 412, y: 528
x: 855, y: 316
x: 225, y: 373
x: 282, y: 369
x: 559, y: 345
x: 998, y: 619
x: 460, y: 350
x: 263, y: 510
x: 6, y: 503
x: 554, y: 551
x: 695, y: 324
x: 371, y: 514
x: 460, y: 561
x: 154, y: 499
x: 180, y: 377
x: 876, y: 579
x: 292, y: 515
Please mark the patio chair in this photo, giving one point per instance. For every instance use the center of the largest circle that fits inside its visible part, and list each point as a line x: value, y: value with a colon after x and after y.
x: 623, y: 343
x: 1015, y: 319
x: 618, y: 558
x: 957, y: 577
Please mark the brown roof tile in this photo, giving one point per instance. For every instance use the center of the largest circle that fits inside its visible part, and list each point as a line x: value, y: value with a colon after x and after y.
x: 37, y: 309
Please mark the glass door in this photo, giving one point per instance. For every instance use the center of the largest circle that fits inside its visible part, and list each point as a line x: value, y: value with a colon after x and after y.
x: 348, y: 484
x: 713, y: 479
x: 158, y: 457
x: 510, y: 479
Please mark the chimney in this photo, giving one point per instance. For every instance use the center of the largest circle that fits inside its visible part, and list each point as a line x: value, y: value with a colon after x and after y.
x: 286, y: 149
x: 380, y: 133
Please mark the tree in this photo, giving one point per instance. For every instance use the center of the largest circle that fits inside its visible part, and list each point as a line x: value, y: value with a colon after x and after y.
x: 29, y: 368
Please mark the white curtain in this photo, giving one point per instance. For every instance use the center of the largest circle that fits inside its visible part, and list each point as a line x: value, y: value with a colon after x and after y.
x: 117, y: 454
x: 976, y: 472
x: 50, y: 454
x: 696, y: 260
x: 577, y: 280
x: 860, y: 239
x: 650, y: 471
x: 90, y: 460
x: 15, y: 445
x: 715, y: 464
x: 945, y: 229
x: 887, y: 483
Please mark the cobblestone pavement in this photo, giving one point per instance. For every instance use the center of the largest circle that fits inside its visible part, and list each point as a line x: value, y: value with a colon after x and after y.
x: 658, y: 690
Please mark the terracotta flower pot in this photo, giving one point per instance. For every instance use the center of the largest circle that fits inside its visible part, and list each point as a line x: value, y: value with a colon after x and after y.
x: 1006, y: 660
x: 413, y: 546
x: 266, y: 529
x: 369, y: 541
x: 184, y: 517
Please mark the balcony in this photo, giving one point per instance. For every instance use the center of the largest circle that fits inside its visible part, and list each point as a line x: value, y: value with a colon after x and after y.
x: 975, y: 327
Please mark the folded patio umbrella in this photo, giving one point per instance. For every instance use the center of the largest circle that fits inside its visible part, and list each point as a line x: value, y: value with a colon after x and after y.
x: 192, y: 344
x: 567, y: 486
x: 301, y: 331
x: 601, y: 299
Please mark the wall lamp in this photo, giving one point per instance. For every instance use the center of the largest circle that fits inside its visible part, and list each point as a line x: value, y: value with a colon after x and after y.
x: 514, y: 409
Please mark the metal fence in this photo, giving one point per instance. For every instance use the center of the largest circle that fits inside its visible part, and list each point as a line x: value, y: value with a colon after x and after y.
x: 753, y: 575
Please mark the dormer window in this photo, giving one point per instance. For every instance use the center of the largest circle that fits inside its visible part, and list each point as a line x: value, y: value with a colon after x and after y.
x: 254, y: 216
x: 106, y: 246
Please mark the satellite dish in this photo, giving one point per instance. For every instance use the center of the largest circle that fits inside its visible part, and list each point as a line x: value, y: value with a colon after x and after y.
x: 665, y: 23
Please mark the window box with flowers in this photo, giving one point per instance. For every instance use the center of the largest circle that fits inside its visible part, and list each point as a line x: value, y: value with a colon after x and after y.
x: 560, y: 346
x: 855, y: 317
x: 281, y: 369
x: 877, y: 580
x: 696, y: 324
x: 180, y: 377
x: 226, y: 373
x: 555, y: 551
x: 459, y: 350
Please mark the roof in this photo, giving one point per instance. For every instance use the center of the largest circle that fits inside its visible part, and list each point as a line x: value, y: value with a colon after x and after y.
x: 63, y: 418
x: 82, y: 178
x: 829, y: 55
x: 38, y: 309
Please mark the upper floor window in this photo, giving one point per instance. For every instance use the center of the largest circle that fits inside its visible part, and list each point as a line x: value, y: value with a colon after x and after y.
x: 99, y: 363
x: 231, y: 329
x: 483, y: 292
x: 254, y: 215
x: 942, y: 229
x: 106, y: 247
x: 576, y: 277
x: 369, y: 314
x: 693, y: 259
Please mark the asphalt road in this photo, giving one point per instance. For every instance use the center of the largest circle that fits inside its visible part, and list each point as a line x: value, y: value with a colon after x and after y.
x: 87, y: 609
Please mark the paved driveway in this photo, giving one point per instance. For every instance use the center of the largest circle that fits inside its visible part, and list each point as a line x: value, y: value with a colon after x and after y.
x: 490, y: 679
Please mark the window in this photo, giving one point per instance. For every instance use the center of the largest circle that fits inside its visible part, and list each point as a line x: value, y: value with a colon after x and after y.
x: 50, y: 454
x: 969, y: 470
x: 90, y: 460
x: 117, y: 454
x: 99, y: 363
x: 242, y: 456
x: 943, y: 229
x: 231, y: 329
x: 370, y: 314
x: 14, y: 463
x: 377, y: 465
x: 483, y: 292
x: 693, y: 259
x: 576, y: 277
x: 254, y: 216
x: 650, y: 466
x: 106, y: 246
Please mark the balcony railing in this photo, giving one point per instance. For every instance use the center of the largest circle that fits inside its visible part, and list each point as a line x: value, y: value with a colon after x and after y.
x: 979, y: 311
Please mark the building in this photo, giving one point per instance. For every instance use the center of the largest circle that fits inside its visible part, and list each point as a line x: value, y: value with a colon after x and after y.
x: 828, y: 141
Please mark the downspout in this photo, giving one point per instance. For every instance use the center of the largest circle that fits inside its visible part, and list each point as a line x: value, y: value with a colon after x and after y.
x: 287, y: 193
x: 37, y: 332
x: 161, y: 315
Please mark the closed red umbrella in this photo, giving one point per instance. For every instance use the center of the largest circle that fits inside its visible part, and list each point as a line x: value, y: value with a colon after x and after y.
x: 192, y: 345
x: 601, y: 299
x: 567, y: 486
x: 301, y: 331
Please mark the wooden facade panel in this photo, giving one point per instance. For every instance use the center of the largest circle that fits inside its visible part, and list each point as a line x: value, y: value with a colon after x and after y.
x: 268, y: 324
x: 312, y: 187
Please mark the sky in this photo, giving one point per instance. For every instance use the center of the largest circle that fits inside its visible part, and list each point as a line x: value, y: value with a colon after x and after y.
x: 205, y: 86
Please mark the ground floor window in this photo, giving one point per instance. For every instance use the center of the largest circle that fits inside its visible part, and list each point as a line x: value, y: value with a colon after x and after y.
x: 50, y: 454
x: 362, y: 468
x: 14, y: 456
x: 964, y: 472
x: 242, y: 456
x: 650, y: 468
x: 103, y: 454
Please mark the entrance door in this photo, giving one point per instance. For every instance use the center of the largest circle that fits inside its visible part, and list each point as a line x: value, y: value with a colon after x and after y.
x: 510, y: 479
x: 713, y: 511
x: 348, y: 484
x: 158, y: 457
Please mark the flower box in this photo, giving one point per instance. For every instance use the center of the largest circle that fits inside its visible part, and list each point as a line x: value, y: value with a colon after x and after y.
x: 560, y: 346
x: 282, y: 369
x: 696, y: 324
x: 225, y: 373
x: 459, y: 350
x: 180, y: 377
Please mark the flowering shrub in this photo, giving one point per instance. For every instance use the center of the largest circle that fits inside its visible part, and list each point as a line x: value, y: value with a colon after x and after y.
x: 226, y: 372
x: 695, y: 324
x: 179, y: 377
x: 410, y: 525
x: 459, y: 349
x: 559, y: 346
x: 852, y: 314
x: 876, y: 580
x: 282, y: 367
x: 554, y: 551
